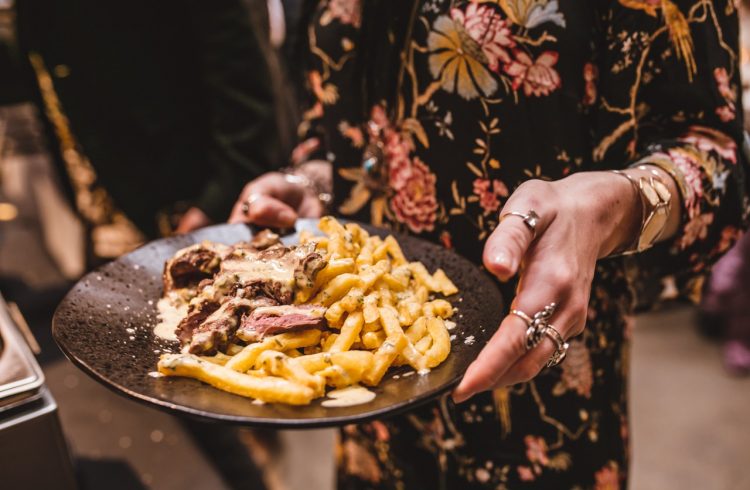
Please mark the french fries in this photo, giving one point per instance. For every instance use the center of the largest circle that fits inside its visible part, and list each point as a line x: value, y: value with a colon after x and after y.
x: 379, y: 314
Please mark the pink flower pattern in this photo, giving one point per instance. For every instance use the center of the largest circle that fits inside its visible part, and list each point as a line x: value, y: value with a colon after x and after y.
x: 415, y: 203
x: 538, y: 77
x: 590, y: 79
x: 489, y: 192
x: 490, y: 31
x: 608, y: 478
x: 346, y: 11
x: 726, y: 112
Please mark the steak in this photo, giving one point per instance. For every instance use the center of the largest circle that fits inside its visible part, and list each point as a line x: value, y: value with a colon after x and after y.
x: 191, y: 265
x: 197, y: 314
x: 249, y: 287
x: 270, y: 320
x: 274, y: 272
x: 217, y: 331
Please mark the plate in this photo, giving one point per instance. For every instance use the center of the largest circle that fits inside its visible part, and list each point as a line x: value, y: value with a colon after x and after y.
x: 105, y: 327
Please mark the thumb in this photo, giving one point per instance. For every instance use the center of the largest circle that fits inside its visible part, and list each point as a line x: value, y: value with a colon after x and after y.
x: 507, y: 245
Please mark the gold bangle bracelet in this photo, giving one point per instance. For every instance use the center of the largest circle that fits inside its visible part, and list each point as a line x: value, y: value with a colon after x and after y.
x: 656, y: 204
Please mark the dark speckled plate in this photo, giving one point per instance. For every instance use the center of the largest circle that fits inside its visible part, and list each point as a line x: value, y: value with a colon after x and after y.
x: 104, y: 325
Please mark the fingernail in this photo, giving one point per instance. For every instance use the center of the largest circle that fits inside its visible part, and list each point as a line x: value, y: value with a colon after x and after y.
x: 502, y: 259
x: 460, y: 397
x: 287, y: 216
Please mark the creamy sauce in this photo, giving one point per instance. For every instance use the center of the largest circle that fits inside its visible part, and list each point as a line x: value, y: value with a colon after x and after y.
x: 349, y: 396
x: 280, y: 310
x: 169, y: 317
x: 260, y: 270
x: 155, y: 374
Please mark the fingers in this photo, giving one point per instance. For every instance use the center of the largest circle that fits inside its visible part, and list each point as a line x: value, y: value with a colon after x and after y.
x: 505, y: 347
x: 270, y: 200
x: 508, y: 344
x: 508, y: 243
x: 504, y: 360
x: 263, y: 210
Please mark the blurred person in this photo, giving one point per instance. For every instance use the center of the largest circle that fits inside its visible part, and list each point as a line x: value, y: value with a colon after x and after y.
x: 727, y: 304
x: 160, y: 110
x: 578, y: 151
x: 157, y: 114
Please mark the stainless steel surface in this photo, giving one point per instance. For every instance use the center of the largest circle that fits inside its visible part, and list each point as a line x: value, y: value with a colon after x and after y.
x: 20, y: 375
x: 36, y: 439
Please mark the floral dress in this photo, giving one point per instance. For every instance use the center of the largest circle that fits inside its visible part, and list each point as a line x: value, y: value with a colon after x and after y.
x: 430, y: 130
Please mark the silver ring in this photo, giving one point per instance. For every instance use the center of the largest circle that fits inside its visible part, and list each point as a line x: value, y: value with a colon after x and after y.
x: 523, y: 316
x: 249, y: 202
x: 561, y: 347
x: 536, y: 325
x: 530, y: 219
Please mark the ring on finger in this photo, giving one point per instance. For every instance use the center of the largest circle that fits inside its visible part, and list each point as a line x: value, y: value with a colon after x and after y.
x: 530, y: 219
x: 561, y: 347
x: 249, y: 202
x: 536, y: 325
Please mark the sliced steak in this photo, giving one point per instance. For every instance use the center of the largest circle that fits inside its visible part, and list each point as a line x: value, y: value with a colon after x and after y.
x: 196, y: 315
x: 193, y: 264
x: 217, y: 331
x: 270, y: 320
x: 274, y: 272
x: 264, y: 240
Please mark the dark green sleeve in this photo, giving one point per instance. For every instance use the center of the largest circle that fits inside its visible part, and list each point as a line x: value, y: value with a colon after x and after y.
x: 243, y: 138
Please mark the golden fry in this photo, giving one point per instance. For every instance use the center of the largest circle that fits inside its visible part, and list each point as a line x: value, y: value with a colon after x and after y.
x: 268, y: 388
x: 349, y: 332
x: 389, y: 350
x: 444, y: 284
x: 373, y: 340
x: 293, y: 340
x: 438, y: 307
x: 370, y: 308
x: 279, y: 364
x: 394, y: 250
x: 441, y: 344
x: 336, y: 288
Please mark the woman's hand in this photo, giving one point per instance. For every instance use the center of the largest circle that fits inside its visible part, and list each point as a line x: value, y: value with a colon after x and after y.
x: 276, y: 200
x: 192, y: 220
x: 583, y: 217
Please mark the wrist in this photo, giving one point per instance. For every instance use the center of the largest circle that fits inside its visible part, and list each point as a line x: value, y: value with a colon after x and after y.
x: 608, y: 203
x: 316, y: 179
x: 655, y: 190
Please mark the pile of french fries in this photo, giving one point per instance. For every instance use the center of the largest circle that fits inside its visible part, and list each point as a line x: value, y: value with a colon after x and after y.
x: 379, y: 312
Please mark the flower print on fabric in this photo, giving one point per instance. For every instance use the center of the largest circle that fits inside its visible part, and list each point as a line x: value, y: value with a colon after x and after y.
x: 590, y: 79
x: 608, y: 478
x: 485, y: 27
x: 533, y: 13
x: 538, y: 77
x: 475, y: 47
x: 459, y: 62
x: 415, y: 204
x: 345, y: 11
x: 726, y: 112
x: 489, y: 193
x: 577, y: 374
